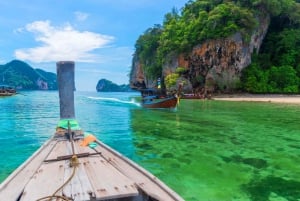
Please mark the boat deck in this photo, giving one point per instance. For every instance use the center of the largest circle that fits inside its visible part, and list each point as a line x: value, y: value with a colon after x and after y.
x: 101, y: 174
x: 66, y: 169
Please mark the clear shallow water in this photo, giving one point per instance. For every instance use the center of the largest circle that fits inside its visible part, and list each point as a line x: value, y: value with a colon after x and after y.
x: 204, y: 150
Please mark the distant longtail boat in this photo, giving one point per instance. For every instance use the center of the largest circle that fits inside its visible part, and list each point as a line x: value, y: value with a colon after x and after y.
x: 6, y: 90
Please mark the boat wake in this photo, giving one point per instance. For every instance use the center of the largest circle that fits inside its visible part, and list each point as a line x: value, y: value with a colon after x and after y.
x: 115, y: 100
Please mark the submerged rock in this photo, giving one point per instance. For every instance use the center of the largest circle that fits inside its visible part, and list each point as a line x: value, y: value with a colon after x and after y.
x: 262, y: 190
x: 254, y: 162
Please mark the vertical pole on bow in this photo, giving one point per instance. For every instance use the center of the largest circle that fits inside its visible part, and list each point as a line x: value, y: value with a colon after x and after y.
x: 66, y: 87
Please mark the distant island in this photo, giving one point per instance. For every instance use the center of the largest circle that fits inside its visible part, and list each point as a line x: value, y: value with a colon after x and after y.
x: 105, y: 85
x: 23, y: 77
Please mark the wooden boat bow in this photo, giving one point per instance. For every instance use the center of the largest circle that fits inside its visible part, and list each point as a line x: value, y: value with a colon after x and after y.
x: 65, y: 169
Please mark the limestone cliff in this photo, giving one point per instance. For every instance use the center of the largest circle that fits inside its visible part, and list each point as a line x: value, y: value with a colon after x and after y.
x: 137, y: 76
x: 218, y: 62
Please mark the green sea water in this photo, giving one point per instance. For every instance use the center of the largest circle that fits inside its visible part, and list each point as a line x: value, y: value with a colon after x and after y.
x: 204, y: 150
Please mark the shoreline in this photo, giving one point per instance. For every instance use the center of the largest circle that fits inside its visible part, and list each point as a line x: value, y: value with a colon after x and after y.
x: 271, y: 98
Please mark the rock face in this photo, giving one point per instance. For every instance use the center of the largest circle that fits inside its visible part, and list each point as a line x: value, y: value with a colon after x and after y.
x: 137, y: 77
x: 217, y: 62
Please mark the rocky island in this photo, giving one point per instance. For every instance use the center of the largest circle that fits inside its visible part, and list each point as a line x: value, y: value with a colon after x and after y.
x: 105, y: 85
x: 222, y: 47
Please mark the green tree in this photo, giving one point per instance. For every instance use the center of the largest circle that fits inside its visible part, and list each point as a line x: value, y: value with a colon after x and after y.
x: 288, y: 43
x: 255, y: 80
x: 170, y: 80
x: 275, y: 7
x: 283, y: 79
x: 146, y: 51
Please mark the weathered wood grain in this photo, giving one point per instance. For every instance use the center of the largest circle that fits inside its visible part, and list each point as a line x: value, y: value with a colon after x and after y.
x: 48, y: 178
x: 79, y: 188
x: 143, y: 179
x: 106, y: 175
x: 107, y: 181
x: 13, y: 186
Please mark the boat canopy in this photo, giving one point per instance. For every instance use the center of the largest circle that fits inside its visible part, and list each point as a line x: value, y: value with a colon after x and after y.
x: 7, y: 89
x: 151, y: 92
x: 5, y: 86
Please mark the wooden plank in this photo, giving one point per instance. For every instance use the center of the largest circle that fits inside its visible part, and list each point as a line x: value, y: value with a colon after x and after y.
x: 107, y: 181
x: 48, y: 178
x: 79, y: 188
x: 109, y: 176
x: 143, y: 179
x: 12, y: 187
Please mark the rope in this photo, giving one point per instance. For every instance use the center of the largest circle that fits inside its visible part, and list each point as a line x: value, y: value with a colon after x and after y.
x: 69, y: 179
x: 73, y: 163
x: 60, y: 188
x: 55, y: 196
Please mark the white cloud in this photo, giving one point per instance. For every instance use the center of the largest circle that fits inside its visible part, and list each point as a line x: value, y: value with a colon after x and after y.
x: 62, y: 43
x: 80, y: 16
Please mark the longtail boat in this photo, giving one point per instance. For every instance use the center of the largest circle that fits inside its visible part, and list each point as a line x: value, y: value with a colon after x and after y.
x: 6, y: 90
x: 75, y: 166
x: 153, y: 102
x: 152, y: 98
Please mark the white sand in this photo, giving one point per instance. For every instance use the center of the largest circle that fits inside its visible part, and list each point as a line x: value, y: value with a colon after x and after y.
x: 293, y: 99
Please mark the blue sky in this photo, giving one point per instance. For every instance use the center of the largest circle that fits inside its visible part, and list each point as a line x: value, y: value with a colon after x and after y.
x: 99, y: 35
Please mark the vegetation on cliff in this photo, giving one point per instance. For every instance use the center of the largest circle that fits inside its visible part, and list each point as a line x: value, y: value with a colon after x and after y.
x: 22, y: 76
x: 277, y: 68
x: 201, y: 20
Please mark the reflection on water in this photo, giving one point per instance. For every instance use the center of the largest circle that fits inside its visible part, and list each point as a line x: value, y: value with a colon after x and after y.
x: 205, y: 150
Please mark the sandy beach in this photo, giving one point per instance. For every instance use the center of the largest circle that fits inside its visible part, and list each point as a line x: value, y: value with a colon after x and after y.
x: 292, y: 99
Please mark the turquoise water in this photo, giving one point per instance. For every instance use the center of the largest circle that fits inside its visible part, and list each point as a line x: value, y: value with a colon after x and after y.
x: 204, y: 150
